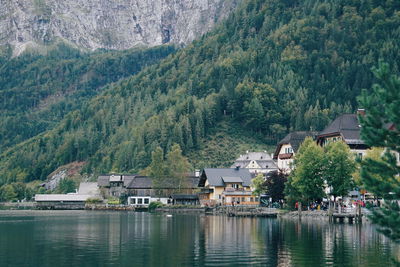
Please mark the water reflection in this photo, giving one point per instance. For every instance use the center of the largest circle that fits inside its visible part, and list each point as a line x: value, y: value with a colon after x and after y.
x: 40, y: 238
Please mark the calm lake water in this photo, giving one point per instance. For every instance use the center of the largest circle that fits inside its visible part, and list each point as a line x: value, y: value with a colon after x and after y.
x: 90, y: 238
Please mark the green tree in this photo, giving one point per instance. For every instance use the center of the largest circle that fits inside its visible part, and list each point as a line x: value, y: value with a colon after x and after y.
x: 8, y: 193
x: 339, y: 168
x: 307, y: 178
x: 178, y: 167
x: 380, y: 128
x: 19, y: 189
x: 66, y: 186
x: 258, y: 185
x: 157, y: 169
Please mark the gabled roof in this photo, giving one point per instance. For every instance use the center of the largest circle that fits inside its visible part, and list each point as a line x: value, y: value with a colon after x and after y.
x: 215, y: 176
x: 263, y: 159
x: 254, y: 156
x: 346, y: 125
x: 294, y: 139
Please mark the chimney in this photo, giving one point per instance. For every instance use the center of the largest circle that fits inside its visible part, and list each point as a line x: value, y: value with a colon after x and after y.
x: 361, y: 112
x: 197, y: 173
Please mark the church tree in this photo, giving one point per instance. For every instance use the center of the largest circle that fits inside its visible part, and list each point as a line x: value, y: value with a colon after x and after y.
x: 380, y: 128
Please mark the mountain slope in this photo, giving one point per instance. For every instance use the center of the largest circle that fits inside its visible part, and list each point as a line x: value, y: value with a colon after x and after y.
x: 271, y: 67
x: 37, y: 91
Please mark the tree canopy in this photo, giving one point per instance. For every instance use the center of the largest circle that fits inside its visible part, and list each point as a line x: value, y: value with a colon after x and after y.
x: 271, y: 66
x: 380, y: 128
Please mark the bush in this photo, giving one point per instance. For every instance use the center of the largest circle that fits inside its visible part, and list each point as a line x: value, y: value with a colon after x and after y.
x: 93, y: 200
x: 155, y: 205
x: 113, y: 201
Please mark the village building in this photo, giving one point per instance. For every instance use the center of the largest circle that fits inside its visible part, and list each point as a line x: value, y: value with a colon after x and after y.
x: 114, y: 184
x: 288, y: 147
x: 226, y: 187
x: 256, y: 162
x: 345, y: 128
x: 68, y: 201
x: 141, y: 190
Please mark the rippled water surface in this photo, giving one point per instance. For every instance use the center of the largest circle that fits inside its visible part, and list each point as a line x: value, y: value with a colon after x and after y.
x: 89, y: 238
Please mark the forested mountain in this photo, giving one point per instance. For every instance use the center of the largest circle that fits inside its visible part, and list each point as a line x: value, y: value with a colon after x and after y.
x: 36, y: 91
x: 271, y: 67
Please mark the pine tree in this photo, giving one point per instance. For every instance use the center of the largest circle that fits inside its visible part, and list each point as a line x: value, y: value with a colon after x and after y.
x: 380, y: 128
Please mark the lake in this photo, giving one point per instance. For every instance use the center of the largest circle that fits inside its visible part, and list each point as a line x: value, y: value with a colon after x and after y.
x: 96, y: 238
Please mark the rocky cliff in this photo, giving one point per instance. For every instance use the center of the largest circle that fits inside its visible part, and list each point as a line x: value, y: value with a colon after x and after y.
x: 110, y: 24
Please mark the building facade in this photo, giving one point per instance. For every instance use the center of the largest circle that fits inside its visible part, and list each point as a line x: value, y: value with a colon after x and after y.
x: 288, y: 147
x: 226, y: 187
x: 256, y: 162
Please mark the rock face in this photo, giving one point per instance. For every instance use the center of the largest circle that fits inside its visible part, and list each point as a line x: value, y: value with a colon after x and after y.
x: 110, y: 24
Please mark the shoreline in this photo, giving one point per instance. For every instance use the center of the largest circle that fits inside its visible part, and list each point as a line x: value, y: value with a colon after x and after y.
x: 237, y: 211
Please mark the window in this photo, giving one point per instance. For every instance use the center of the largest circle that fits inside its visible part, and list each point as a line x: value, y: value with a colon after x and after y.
x: 236, y: 186
x: 146, y: 201
x: 233, y: 199
x: 251, y: 199
x: 243, y: 200
x: 140, y: 200
x: 133, y: 200
x: 256, y: 199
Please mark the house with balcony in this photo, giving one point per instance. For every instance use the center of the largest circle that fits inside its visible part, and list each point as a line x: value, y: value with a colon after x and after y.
x: 288, y: 147
x: 226, y: 186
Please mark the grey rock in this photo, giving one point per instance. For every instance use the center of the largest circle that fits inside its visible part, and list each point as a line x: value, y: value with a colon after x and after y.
x: 109, y: 24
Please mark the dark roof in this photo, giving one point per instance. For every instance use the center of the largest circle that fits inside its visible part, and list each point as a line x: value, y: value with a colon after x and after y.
x: 141, y: 182
x: 145, y: 182
x: 294, y: 139
x: 215, y: 176
x: 128, y: 179
x: 346, y: 125
x: 103, y: 180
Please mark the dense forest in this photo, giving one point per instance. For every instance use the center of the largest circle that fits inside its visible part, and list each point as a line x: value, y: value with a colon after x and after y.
x: 37, y: 90
x: 271, y: 67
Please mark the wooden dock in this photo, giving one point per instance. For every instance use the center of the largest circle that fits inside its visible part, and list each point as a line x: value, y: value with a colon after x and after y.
x: 351, y: 217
